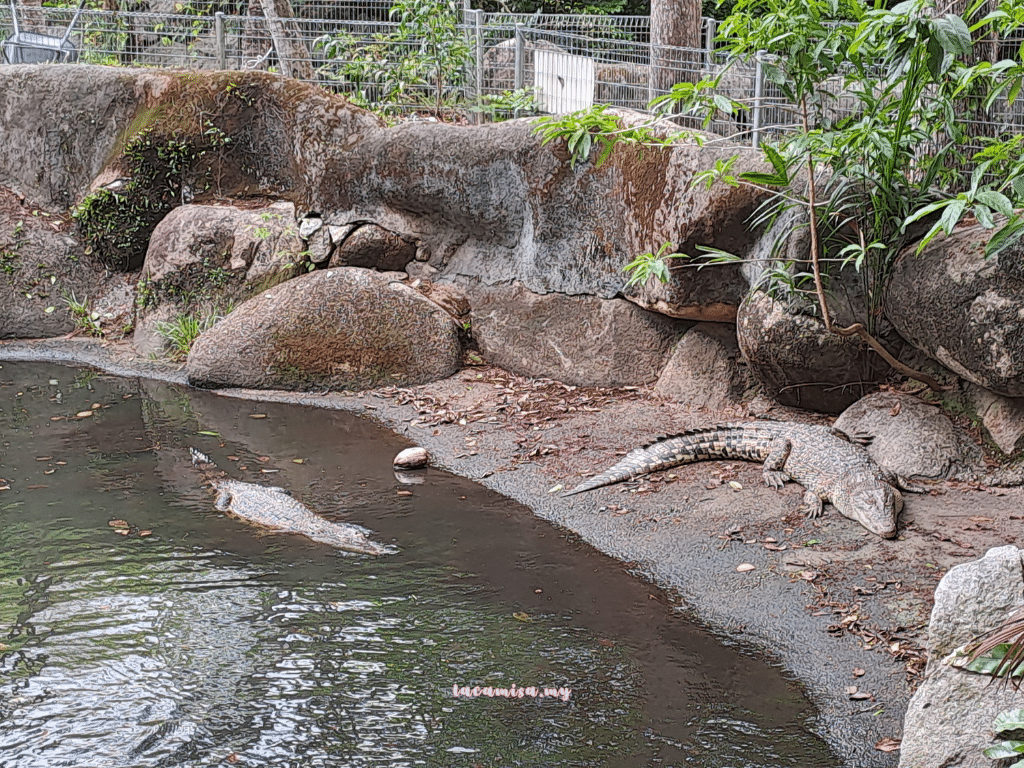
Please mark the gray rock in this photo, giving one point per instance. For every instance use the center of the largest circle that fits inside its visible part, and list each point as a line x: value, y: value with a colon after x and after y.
x: 374, y: 247
x: 411, y: 458
x: 912, y: 438
x: 39, y: 267
x: 798, y: 362
x: 310, y: 225
x: 339, y: 329
x: 1003, y: 417
x: 705, y: 370
x: 580, y: 340
x: 338, y: 234
x: 962, y: 309
x: 319, y: 246
x: 203, y: 259
x: 492, y: 204
x: 949, y: 719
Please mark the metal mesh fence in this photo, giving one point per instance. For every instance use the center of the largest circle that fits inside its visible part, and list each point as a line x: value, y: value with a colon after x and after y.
x: 546, y: 62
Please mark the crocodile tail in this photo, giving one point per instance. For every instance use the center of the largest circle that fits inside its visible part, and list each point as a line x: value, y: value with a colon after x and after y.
x: 725, y: 441
x: 636, y: 462
x: 198, y: 457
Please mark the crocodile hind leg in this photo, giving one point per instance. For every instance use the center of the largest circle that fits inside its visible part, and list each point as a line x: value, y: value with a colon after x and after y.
x: 773, y: 472
x: 223, y: 501
x: 813, y: 505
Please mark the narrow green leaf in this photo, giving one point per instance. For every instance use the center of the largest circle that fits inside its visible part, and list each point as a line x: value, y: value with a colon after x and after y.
x: 996, y: 201
x: 927, y: 210
x: 951, y: 216
x: 765, y: 179
x: 1005, y: 237
x: 1004, y: 749
x: 1010, y: 720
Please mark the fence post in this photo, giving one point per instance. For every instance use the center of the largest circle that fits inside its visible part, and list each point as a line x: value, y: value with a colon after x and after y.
x: 520, y: 45
x: 222, y: 52
x: 710, y: 32
x: 478, y: 35
x: 755, y: 120
x: 650, y: 73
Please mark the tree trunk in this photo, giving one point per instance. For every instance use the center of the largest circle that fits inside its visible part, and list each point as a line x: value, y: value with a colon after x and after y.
x: 292, y: 53
x: 674, y: 23
x: 32, y: 21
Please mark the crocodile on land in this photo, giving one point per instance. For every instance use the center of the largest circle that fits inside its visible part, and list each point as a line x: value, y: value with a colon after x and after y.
x: 273, y: 508
x: 821, y: 459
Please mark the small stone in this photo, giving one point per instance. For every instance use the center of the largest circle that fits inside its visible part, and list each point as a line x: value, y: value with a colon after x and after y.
x: 309, y: 225
x: 412, y: 458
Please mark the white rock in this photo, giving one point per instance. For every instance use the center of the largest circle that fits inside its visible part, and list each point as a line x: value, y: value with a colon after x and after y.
x: 412, y: 458
x: 309, y: 225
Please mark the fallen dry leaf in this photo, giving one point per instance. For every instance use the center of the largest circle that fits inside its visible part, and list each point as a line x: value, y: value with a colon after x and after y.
x: 118, y: 523
x: 745, y: 567
x: 887, y: 745
x: 858, y: 672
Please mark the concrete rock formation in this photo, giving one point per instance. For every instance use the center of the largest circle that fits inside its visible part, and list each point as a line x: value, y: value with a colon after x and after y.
x: 963, y: 309
x: 798, y: 362
x: 338, y: 329
x: 949, y: 720
x: 705, y: 369
x: 912, y: 438
x: 580, y: 340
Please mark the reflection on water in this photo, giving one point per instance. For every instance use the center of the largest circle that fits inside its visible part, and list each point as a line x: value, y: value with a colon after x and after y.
x: 206, y: 643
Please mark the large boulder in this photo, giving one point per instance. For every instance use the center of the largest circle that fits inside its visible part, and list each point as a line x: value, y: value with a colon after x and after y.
x: 493, y: 204
x: 705, y: 369
x: 338, y: 329
x: 964, y: 310
x: 912, y: 438
x: 204, y: 259
x: 949, y: 719
x: 137, y: 143
x: 580, y: 340
x: 798, y: 362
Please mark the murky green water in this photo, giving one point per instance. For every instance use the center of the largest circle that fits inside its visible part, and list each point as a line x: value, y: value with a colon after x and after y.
x: 206, y: 643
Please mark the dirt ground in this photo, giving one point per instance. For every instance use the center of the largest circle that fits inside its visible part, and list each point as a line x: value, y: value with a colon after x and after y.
x: 840, y: 609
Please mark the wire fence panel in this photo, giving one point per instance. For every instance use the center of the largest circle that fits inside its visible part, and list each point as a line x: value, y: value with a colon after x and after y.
x: 472, y: 60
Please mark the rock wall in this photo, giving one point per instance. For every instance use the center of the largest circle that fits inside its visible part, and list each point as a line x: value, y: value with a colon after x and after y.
x: 535, y: 241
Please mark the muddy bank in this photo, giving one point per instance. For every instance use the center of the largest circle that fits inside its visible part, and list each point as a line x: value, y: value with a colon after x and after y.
x: 837, y: 607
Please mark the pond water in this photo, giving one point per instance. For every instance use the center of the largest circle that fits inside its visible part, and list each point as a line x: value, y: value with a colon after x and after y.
x: 140, y: 627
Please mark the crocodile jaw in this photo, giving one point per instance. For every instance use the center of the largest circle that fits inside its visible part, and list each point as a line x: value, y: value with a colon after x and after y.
x: 871, y: 502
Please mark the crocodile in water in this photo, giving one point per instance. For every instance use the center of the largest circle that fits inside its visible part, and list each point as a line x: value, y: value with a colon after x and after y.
x: 821, y: 459
x: 273, y: 508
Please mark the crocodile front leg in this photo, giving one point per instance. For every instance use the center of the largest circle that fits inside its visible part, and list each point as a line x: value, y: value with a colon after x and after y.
x: 773, y: 471
x: 813, y: 505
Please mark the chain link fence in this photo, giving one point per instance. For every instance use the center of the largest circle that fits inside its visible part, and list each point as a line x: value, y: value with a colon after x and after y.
x: 497, y: 63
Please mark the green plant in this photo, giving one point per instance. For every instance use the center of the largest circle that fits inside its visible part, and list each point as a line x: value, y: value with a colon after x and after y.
x: 86, y: 319
x: 1008, y: 722
x: 508, y: 103
x: 866, y: 186
x: 183, y: 330
x: 583, y: 130
x: 422, y: 62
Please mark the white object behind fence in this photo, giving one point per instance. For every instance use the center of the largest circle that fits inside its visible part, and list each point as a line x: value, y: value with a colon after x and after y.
x: 565, y: 83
